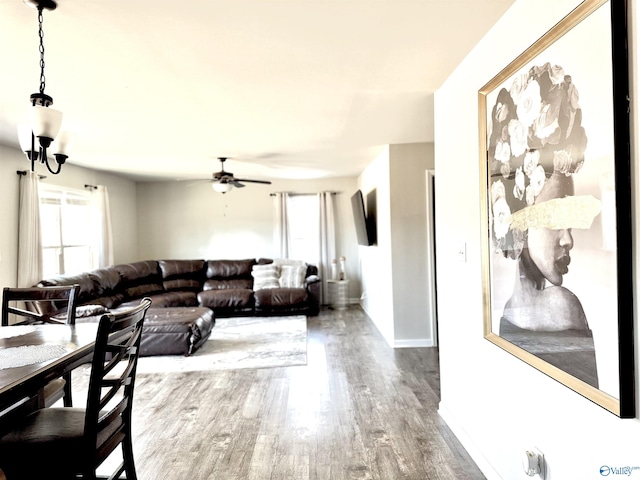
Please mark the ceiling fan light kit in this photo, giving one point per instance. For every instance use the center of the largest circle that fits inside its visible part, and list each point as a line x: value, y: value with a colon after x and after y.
x: 222, y: 187
x: 45, y: 122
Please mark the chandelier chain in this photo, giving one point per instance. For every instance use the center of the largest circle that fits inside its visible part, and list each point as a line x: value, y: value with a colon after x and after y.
x: 41, y: 36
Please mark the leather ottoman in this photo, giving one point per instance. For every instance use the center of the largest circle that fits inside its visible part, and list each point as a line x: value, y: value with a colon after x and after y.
x: 175, y: 330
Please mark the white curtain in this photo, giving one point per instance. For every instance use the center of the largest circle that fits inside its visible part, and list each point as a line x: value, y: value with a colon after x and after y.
x: 102, y: 227
x: 29, y: 236
x: 327, y: 241
x: 281, y: 234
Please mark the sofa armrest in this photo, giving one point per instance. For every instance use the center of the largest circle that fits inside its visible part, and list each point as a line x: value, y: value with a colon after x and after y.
x: 314, y: 286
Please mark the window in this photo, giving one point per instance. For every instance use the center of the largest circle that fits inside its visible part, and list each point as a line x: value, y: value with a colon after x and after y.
x: 304, y: 225
x: 68, y: 242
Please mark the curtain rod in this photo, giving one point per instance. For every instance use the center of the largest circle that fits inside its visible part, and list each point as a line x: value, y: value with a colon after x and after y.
x: 22, y: 173
x: 295, y: 193
x: 93, y: 187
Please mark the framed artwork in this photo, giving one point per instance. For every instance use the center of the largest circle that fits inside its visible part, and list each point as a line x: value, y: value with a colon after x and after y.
x: 555, y: 178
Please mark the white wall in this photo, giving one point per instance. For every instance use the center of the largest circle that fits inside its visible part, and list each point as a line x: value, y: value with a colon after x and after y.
x: 186, y: 220
x: 375, y: 261
x: 394, y: 272
x: 122, y: 193
x: 409, y: 256
x: 495, y: 403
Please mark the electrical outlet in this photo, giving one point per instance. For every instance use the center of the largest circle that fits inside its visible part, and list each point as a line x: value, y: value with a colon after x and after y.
x: 533, y: 463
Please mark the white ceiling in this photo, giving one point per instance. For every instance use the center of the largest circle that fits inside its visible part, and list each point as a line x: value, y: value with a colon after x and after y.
x: 286, y: 88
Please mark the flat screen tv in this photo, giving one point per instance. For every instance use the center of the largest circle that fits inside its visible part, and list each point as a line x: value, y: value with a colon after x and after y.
x: 365, y: 225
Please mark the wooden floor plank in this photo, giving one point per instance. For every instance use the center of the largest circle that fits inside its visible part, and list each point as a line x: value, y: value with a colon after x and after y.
x: 359, y: 410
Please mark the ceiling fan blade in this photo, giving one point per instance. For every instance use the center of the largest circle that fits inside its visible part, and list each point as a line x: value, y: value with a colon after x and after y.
x: 199, y: 182
x: 266, y: 182
x: 235, y: 183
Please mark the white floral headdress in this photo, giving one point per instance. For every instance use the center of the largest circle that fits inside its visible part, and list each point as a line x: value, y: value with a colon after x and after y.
x: 534, y: 130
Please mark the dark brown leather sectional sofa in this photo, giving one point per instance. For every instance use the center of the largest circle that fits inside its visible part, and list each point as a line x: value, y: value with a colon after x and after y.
x: 187, y: 296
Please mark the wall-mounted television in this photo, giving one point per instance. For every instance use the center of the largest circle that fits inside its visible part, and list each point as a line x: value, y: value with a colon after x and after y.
x: 364, y: 219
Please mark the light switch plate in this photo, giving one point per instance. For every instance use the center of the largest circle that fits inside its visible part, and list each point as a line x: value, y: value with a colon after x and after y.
x: 462, y: 252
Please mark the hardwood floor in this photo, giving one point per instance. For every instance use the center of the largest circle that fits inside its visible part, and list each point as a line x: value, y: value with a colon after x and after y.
x: 358, y: 410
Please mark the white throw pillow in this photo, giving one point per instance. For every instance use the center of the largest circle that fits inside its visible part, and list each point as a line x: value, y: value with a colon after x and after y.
x: 265, y: 276
x: 292, y: 276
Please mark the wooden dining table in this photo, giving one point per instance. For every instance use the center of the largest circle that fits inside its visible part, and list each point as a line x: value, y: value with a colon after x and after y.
x: 75, y: 344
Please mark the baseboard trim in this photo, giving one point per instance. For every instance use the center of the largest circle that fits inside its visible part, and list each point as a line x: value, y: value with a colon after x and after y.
x: 468, y: 444
x: 413, y: 343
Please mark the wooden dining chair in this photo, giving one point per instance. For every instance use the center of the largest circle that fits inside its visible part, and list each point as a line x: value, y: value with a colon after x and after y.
x: 43, y: 304
x: 34, y: 305
x: 73, y: 442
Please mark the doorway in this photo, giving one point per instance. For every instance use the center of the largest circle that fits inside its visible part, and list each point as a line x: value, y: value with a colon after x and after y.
x: 432, y: 291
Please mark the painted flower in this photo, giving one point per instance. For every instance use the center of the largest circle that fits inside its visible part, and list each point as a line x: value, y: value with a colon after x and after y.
x: 564, y: 163
x: 528, y: 108
x: 529, y: 195
x: 518, y: 86
x: 497, y: 191
x: 555, y: 73
x: 501, y: 112
x: 501, y: 213
x: 519, y: 187
x: 536, y: 182
x: 531, y: 160
x: 505, y: 170
x: 546, y: 124
x: 517, y: 137
x: 503, y: 151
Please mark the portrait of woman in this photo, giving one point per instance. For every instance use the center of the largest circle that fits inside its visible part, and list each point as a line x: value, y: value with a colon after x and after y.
x: 536, y: 147
x: 557, y: 269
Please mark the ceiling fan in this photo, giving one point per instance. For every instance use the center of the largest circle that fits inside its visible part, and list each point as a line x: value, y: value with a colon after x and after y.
x: 223, y: 181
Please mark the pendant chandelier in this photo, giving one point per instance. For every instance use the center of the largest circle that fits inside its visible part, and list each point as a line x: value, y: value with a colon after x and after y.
x: 38, y: 136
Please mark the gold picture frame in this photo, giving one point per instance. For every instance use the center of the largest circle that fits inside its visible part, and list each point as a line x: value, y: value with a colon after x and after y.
x: 555, y: 179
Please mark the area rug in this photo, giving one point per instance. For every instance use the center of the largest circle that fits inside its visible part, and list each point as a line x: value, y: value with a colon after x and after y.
x: 243, y: 342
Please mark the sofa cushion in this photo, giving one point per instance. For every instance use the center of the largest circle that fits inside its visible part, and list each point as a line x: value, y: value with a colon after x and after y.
x: 221, y: 284
x: 87, y: 292
x: 107, y: 281
x: 292, y: 276
x: 265, y: 276
x: 226, y: 298
x: 168, y: 299
x: 278, y: 297
x: 229, y: 268
x: 140, y: 278
x: 182, y: 274
x: 109, y: 301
